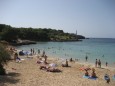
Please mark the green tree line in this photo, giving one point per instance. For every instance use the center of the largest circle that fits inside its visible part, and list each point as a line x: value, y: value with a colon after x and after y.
x: 10, y: 34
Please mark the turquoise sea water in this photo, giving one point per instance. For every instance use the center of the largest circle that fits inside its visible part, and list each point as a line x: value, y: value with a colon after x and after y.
x: 94, y: 48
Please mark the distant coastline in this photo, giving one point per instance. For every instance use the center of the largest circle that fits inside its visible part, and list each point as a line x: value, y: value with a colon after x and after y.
x: 12, y: 35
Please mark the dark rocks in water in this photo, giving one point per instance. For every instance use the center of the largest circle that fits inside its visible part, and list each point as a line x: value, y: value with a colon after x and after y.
x: 22, y: 42
x: 73, y: 40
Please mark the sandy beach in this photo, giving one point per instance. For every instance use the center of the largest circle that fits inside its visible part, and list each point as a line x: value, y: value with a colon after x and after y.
x: 27, y: 73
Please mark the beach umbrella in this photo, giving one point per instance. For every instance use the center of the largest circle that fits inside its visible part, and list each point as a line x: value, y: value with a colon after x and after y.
x: 26, y: 52
x: 53, y: 65
x: 85, y: 68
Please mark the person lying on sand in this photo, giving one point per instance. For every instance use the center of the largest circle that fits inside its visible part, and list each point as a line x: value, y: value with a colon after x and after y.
x: 49, y: 69
x: 40, y: 61
x: 52, y: 69
x: 44, y: 67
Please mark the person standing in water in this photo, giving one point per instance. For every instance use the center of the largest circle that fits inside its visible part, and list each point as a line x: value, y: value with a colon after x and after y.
x: 96, y: 63
x: 106, y: 64
x: 86, y: 57
x: 38, y: 51
x: 99, y: 63
x: 33, y: 51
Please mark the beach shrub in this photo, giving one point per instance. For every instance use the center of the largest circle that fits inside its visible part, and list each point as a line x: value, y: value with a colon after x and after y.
x: 4, y: 58
x: 2, y: 70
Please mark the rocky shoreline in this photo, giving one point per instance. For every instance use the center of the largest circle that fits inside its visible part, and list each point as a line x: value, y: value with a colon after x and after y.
x: 22, y: 42
x: 27, y: 42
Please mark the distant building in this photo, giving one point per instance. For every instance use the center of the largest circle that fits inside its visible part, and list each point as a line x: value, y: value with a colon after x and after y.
x: 76, y: 32
x: 76, y: 35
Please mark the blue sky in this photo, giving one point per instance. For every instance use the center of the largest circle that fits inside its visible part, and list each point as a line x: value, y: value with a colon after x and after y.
x: 91, y: 18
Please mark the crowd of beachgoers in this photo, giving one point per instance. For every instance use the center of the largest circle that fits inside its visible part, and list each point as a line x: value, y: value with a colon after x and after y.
x: 36, y: 68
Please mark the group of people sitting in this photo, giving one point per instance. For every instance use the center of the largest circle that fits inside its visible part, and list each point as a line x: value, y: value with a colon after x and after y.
x: 93, y: 74
x: 51, y: 69
x: 44, y: 65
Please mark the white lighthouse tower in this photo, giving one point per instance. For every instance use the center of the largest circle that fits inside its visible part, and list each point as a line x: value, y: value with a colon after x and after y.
x: 76, y: 32
x: 76, y: 35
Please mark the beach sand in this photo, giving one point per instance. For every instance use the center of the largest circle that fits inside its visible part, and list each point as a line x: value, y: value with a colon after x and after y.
x: 27, y: 73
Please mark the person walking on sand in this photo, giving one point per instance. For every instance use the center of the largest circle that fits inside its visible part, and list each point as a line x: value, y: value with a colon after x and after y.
x: 96, y: 63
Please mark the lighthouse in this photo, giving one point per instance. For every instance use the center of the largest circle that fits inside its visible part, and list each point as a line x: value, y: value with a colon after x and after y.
x: 76, y: 35
x: 76, y: 32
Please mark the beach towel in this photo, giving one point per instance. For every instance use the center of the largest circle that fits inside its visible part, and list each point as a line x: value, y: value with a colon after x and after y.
x: 22, y: 59
x: 89, y: 77
x: 94, y: 78
x: 53, y: 65
x: 86, y: 76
